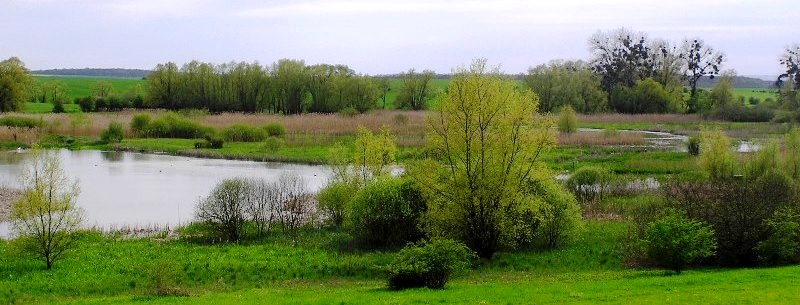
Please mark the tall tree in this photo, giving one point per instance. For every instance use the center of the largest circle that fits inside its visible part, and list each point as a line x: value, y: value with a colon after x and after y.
x: 562, y: 83
x: 46, y: 218
x: 487, y: 145
x: 791, y: 61
x: 621, y: 57
x: 289, y: 80
x: 15, y: 84
x: 699, y: 59
x: 163, y: 86
x: 102, y: 89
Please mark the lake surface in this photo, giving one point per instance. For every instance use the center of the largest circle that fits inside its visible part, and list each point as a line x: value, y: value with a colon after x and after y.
x: 120, y: 189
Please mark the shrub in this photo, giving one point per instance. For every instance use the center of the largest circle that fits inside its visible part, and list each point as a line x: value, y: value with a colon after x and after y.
x: 588, y: 183
x: 675, y: 241
x: 213, y: 141
x: 113, y: 134
x: 174, y: 126
x: 334, y: 198
x: 348, y: 111
x: 86, y: 104
x: 567, y: 120
x: 715, y: 156
x: 244, y: 133
x: 783, y: 243
x: 693, y: 146
x: 273, y: 144
x: 558, y: 214
x: 139, y: 123
x: 275, y: 130
x: 224, y: 209
x: 428, y: 264
x: 12, y: 121
x: 385, y: 213
x: 58, y: 105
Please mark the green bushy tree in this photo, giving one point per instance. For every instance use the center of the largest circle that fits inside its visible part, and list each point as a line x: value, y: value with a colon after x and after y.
x: 428, y: 264
x: 675, y: 241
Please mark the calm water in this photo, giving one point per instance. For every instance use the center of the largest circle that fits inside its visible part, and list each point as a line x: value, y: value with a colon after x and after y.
x: 132, y: 189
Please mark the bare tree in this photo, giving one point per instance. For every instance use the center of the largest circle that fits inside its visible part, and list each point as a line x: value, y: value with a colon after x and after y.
x: 261, y: 204
x: 46, y: 218
x: 294, y: 204
x: 699, y: 59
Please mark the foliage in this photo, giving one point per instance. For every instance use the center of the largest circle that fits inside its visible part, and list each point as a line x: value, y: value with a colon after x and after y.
x: 275, y: 130
x: 567, y: 120
x: 20, y: 122
x: 722, y: 92
x: 113, y: 134
x: 693, y: 146
x: 552, y: 217
x: 485, y: 145
x: 139, y: 123
x: 15, y: 83
x: 790, y: 163
x: 698, y: 60
x: 212, y: 141
x: 676, y: 241
x: 244, y: 133
x: 783, y: 244
x: 715, y: 156
x: 646, y: 96
x: 589, y: 183
x: 415, y: 90
x: 46, y: 218
x: 273, y: 144
x: 428, y: 264
x: 373, y: 153
x: 763, y: 161
x: 58, y: 106
x: 87, y: 103
x: 284, y: 201
x: 171, y: 125
x: 791, y: 61
x: 562, y: 83
x: 334, y: 199
x: 385, y: 213
x: 224, y: 209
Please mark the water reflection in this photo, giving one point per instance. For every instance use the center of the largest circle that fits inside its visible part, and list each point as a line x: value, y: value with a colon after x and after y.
x: 132, y: 189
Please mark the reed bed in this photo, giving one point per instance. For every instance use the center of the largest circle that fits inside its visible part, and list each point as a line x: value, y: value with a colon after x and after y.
x: 591, y: 138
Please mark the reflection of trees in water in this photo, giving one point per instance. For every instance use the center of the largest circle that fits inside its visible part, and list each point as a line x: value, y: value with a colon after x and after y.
x: 113, y: 156
x: 12, y: 157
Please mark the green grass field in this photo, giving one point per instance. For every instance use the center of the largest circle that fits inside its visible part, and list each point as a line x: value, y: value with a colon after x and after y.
x: 81, y: 86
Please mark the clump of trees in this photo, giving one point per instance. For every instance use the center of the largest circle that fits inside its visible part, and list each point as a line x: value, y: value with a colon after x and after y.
x: 15, y: 83
x: 561, y: 83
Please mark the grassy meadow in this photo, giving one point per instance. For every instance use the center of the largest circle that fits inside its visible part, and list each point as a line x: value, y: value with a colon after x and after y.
x: 81, y: 86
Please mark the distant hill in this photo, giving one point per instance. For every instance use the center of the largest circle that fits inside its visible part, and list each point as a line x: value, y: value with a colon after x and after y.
x: 129, y: 73
x: 738, y: 82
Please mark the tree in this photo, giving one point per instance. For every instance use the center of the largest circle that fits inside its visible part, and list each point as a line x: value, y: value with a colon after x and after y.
x: 699, y: 59
x: 373, y: 153
x: 722, y: 92
x: 562, y: 83
x: 15, y: 84
x: 620, y: 57
x: 163, y: 86
x: 715, y: 156
x: 289, y: 79
x: 224, y: 208
x: 46, y: 218
x: 485, y: 145
x: 676, y: 241
x: 791, y: 60
x: 414, y: 90
x: 102, y: 89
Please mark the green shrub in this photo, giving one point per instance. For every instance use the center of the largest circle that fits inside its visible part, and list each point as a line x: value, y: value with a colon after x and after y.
x: 58, y: 106
x: 244, y: 133
x: 589, y: 183
x: 171, y: 125
x: 214, y: 141
x: 675, y: 241
x: 784, y: 238
x: 428, y: 264
x: 348, y: 111
x: 567, y: 120
x: 557, y: 217
x: 139, y: 123
x: 273, y: 144
x: 693, y: 146
x: 275, y: 130
x: 113, y: 134
x: 385, y: 213
x: 13, y: 121
x: 86, y: 103
x: 334, y: 198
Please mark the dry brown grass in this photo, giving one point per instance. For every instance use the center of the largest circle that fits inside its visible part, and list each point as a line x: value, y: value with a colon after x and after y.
x: 655, y: 118
x: 591, y: 138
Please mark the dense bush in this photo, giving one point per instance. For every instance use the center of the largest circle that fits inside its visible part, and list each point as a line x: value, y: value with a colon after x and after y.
x: 385, y: 213
x: 86, y: 103
x: 737, y: 210
x: 12, y: 121
x: 139, y: 123
x: 783, y: 244
x: 224, y: 209
x: 693, y: 146
x: 244, y: 133
x: 113, y: 134
x: 567, y: 120
x: 428, y: 264
x: 589, y: 183
x: 739, y: 113
x: 213, y: 141
x: 558, y: 215
x: 171, y: 125
x: 334, y: 198
x: 58, y: 105
x: 275, y: 130
x: 273, y: 144
x: 675, y: 241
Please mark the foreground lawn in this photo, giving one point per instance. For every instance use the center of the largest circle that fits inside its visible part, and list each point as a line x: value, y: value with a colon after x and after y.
x: 744, y: 286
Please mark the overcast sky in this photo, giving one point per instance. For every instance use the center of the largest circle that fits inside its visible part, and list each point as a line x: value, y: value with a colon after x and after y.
x: 379, y: 36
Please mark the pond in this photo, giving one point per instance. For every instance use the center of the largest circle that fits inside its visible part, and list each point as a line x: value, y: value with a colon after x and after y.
x: 124, y: 189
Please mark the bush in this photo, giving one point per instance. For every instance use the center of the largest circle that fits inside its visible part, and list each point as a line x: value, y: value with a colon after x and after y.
x: 139, y: 123
x: 385, y: 213
x: 213, y: 141
x: 273, y: 144
x: 86, y: 104
x: 12, y: 121
x: 58, y: 106
x: 739, y: 113
x: 783, y: 243
x: 171, y: 125
x: 348, y: 111
x: 567, y: 120
x: 275, y: 130
x: 428, y: 264
x: 224, y: 209
x: 113, y: 134
x: 589, y: 183
x: 244, y: 133
x: 675, y: 241
x: 693, y: 146
x: 334, y: 198
x: 558, y: 215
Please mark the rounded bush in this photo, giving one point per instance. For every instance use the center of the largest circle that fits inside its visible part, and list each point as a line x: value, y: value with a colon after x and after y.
x: 139, y: 123
x: 244, y: 133
x: 275, y: 130
x: 334, y: 198
x: 273, y: 144
x: 428, y: 264
x: 589, y: 183
x: 567, y: 120
x: 675, y: 241
x: 113, y: 134
x: 385, y: 213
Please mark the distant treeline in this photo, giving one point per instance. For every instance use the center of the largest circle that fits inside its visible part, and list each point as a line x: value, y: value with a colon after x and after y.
x: 738, y: 82
x: 129, y: 73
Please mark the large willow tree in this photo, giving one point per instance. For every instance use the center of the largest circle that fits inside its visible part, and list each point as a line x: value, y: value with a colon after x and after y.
x: 485, y: 141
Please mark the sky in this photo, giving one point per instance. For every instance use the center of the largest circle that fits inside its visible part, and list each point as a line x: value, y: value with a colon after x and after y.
x: 379, y: 36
